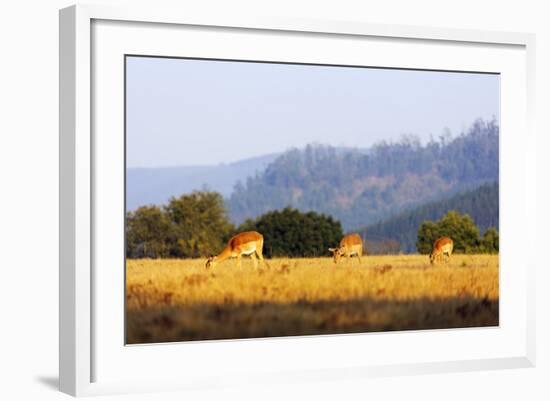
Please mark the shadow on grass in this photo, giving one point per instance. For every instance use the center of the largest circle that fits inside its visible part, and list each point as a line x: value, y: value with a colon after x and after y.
x: 232, y: 320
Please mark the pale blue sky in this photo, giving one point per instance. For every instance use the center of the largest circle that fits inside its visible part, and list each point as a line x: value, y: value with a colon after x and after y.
x: 199, y: 112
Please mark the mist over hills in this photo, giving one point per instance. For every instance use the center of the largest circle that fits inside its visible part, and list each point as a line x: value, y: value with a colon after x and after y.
x: 155, y: 186
x: 146, y: 186
x: 361, y: 188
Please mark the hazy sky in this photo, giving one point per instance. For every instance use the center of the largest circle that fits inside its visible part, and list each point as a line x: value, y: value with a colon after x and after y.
x: 197, y: 112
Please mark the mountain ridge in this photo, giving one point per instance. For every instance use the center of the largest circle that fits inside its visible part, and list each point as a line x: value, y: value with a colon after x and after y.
x: 360, y: 188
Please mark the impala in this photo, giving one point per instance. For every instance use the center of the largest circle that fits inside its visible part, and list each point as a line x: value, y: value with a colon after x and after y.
x: 350, y: 245
x: 442, y: 246
x: 249, y: 243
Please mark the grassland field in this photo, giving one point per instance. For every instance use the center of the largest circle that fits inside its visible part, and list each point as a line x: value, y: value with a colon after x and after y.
x: 178, y: 300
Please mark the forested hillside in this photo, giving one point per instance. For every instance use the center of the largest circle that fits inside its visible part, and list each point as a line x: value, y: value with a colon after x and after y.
x: 481, y: 205
x: 359, y: 188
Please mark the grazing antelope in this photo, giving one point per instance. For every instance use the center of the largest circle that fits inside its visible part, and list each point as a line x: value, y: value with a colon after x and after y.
x: 442, y: 246
x: 249, y: 243
x: 350, y: 245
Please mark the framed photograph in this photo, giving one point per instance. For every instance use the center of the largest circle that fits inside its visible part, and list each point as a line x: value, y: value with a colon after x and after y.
x: 273, y: 200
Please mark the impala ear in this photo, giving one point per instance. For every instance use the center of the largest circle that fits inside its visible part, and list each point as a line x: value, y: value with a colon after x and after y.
x: 331, y: 249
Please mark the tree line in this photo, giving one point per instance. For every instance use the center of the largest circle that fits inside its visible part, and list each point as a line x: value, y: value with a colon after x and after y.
x: 189, y: 226
x: 481, y: 204
x: 462, y: 229
x: 196, y: 225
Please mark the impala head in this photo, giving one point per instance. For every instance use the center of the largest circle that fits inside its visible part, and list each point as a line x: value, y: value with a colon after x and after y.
x: 337, y: 253
x: 210, y: 262
x: 432, y: 257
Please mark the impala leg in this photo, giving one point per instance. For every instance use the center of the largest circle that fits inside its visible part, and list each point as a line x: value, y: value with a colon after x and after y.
x: 239, y: 262
x: 359, y: 257
x: 261, y: 257
x: 254, y: 259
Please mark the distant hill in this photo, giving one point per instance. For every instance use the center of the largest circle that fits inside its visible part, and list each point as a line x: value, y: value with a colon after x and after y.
x: 482, y: 204
x: 360, y: 188
x: 146, y: 186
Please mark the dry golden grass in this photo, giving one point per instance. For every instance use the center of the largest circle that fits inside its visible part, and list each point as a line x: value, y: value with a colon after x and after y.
x: 176, y: 300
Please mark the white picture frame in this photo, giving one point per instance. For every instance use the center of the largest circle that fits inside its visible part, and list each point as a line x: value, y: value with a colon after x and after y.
x: 84, y: 354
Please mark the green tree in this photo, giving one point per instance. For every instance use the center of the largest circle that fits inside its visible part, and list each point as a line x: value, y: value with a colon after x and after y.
x: 489, y: 242
x: 460, y: 228
x: 291, y: 233
x: 200, y: 225
x: 427, y: 234
x: 147, y: 233
x: 463, y: 231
